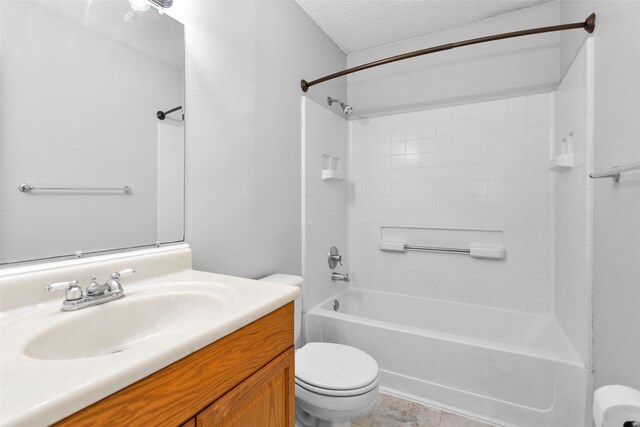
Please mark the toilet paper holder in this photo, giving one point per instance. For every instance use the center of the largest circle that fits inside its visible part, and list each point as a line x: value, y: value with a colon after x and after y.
x: 616, y: 406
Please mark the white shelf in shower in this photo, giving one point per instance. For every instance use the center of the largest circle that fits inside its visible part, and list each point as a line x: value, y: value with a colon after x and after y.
x: 562, y: 162
x: 331, y: 175
x: 331, y: 166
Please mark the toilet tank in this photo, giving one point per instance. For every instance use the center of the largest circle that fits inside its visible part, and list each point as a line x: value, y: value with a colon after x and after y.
x: 288, y: 279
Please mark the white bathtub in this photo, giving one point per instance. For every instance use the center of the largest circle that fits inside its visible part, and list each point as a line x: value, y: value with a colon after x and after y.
x: 507, y: 367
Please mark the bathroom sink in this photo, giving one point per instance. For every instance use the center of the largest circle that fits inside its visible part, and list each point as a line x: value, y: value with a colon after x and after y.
x: 121, y: 325
x: 54, y: 363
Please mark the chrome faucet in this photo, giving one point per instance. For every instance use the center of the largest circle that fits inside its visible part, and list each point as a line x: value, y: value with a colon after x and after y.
x: 338, y: 276
x: 95, y: 294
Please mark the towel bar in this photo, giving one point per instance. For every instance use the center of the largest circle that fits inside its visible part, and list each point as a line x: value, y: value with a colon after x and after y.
x: 615, y: 171
x: 26, y: 188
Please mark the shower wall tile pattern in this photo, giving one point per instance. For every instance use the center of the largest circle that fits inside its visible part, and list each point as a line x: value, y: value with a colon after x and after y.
x: 482, y: 166
x: 574, y: 205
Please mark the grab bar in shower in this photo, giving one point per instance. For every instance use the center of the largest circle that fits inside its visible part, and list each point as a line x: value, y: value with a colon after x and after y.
x: 615, y: 171
x: 475, y: 251
x: 437, y: 249
x: 27, y: 188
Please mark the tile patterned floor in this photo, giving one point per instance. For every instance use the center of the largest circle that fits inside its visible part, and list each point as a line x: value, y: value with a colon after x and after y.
x: 391, y: 411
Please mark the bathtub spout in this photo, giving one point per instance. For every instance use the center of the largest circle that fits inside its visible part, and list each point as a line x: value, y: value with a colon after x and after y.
x: 337, y: 276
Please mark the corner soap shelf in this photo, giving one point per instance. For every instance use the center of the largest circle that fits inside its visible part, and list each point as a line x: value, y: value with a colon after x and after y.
x: 563, y: 161
x: 331, y: 175
x: 331, y: 168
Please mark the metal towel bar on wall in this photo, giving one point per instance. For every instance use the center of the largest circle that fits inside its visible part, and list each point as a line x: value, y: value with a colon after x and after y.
x: 26, y: 188
x: 474, y: 250
x: 614, y: 172
x: 437, y: 249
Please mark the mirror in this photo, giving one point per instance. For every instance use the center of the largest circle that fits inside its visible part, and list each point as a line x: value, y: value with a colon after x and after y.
x: 86, y: 164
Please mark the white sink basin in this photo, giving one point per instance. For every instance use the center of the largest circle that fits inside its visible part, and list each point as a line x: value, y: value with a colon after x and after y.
x: 120, y: 325
x: 54, y: 363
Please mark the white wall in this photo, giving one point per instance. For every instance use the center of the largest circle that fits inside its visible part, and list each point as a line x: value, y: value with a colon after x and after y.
x: 244, y: 63
x: 616, y: 288
x: 574, y: 204
x: 474, y: 73
x: 480, y: 166
x: 78, y: 109
x: 325, y: 202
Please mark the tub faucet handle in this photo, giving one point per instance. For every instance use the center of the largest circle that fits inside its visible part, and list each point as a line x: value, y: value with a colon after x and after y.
x: 334, y: 257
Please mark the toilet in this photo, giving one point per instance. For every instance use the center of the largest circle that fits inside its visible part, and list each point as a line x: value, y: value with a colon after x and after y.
x: 335, y: 383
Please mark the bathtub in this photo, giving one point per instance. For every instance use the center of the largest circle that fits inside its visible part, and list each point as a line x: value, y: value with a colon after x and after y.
x: 506, y: 367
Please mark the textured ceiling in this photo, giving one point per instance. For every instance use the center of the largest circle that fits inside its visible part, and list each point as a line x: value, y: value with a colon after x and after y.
x: 357, y: 25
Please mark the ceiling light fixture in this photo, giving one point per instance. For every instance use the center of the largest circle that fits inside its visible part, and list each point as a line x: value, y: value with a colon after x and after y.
x: 162, y: 4
x: 139, y: 5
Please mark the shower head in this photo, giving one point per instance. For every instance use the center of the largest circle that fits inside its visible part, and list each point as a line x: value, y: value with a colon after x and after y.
x: 346, y: 109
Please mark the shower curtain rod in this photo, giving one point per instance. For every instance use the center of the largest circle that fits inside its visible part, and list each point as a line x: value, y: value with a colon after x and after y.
x: 589, y: 25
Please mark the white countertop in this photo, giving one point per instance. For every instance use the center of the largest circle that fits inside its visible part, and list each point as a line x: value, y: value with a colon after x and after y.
x: 40, y: 392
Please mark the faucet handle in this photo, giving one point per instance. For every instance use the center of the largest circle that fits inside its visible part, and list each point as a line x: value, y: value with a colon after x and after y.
x: 334, y: 257
x: 74, y: 291
x: 123, y: 273
x: 61, y: 286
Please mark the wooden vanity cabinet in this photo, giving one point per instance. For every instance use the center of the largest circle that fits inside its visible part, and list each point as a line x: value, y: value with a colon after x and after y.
x: 245, y: 379
x: 263, y: 399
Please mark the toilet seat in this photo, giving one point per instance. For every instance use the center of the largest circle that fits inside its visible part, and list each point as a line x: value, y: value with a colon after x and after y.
x: 338, y: 393
x: 335, y: 370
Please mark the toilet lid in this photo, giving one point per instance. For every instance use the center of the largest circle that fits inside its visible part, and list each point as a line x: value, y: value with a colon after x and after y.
x: 335, y: 366
x: 338, y: 393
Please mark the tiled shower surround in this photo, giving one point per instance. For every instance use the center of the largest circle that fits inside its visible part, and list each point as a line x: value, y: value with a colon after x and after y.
x: 482, y: 166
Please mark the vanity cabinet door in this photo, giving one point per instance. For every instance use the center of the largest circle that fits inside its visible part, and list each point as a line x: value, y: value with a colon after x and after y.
x: 265, y: 399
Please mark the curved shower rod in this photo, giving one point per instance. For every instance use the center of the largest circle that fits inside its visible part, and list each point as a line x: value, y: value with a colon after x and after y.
x: 588, y: 25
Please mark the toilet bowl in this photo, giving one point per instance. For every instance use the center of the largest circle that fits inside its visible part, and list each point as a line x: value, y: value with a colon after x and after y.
x: 334, y: 383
